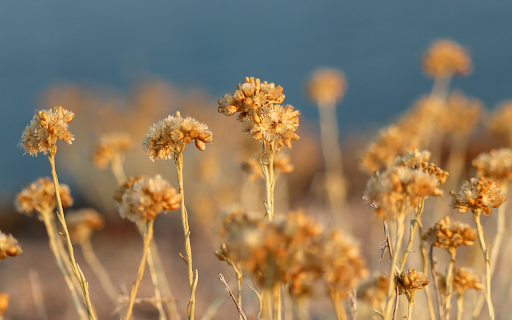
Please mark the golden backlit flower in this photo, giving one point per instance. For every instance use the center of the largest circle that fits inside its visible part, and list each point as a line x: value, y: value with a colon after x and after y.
x: 412, y: 158
x: 171, y: 134
x: 399, y: 188
x: 45, y: 129
x: 498, y: 123
x: 465, y: 279
x: 460, y: 115
x: 82, y: 223
x: 109, y: 147
x: 432, y: 170
x: 4, y: 302
x: 8, y: 246
x: 374, y: 291
x: 447, y: 233
x: 446, y: 58
x: 495, y: 165
x: 143, y: 198
x: 40, y: 196
x: 477, y: 194
x: 326, y: 86
x: 409, y: 281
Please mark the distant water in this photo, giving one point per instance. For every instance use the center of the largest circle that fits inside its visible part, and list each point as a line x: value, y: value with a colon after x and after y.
x: 215, y: 44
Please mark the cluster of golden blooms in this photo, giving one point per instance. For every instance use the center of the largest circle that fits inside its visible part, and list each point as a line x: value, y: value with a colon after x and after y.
x: 171, y: 134
x: 45, y: 129
x: 374, y: 291
x: 412, y: 158
x: 326, y: 86
x: 382, y: 153
x: 399, y: 188
x: 40, y: 196
x: 4, y: 302
x: 447, y: 233
x: 465, y: 279
x: 409, y: 281
x: 109, y: 147
x: 140, y: 199
x: 82, y: 223
x: 432, y: 170
x: 261, y: 113
x: 460, y: 115
x: 446, y: 58
x: 9, y: 246
x: 477, y: 194
x: 498, y: 123
x: 282, y: 164
x: 495, y: 165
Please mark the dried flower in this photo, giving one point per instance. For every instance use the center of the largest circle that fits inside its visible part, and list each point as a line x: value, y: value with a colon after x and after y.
x: 40, y: 196
x: 374, y: 291
x: 447, y: 233
x: 4, y: 302
x: 432, y: 170
x: 409, y: 281
x: 477, y: 194
x: 82, y: 223
x: 412, y: 158
x: 171, y: 134
x: 465, y: 279
x: 446, y: 58
x: 495, y: 165
x: 9, y: 247
x: 109, y: 147
x: 45, y: 129
x: 326, y: 86
x: 143, y: 198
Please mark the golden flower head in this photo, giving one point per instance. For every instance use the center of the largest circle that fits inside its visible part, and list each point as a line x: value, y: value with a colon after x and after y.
x: 495, y: 165
x: 40, y: 196
x: 110, y: 147
x: 446, y: 58
x: 412, y: 158
x: 432, y: 170
x: 9, y: 246
x: 498, y: 123
x: 261, y: 113
x: 326, y: 86
x: 409, y: 281
x: 477, y: 194
x: 374, y: 291
x: 45, y: 129
x: 465, y: 279
x: 171, y: 134
x: 447, y: 233
x: 399, y: 187
x: 4, y: 302
x: 82, y: 223
x: 143, y: 198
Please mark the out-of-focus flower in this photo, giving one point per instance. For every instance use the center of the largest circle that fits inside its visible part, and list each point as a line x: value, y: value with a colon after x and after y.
x: 109, y: 147
x: 8, y: 247
x: 460, y: 115
x: 410, y: 281
x: 82, y: 223
x: 447, y: 233
x: 498, y: 123
x: 40, y: 196
x: 4, y: 302
x: 465, y: 279
x: 374, y: 291
x: 326, y: 86
x: 446, y: 58
x: 477, y: 194
x: 412, y: 158
x: 495, y: 165
x: 45, y: 129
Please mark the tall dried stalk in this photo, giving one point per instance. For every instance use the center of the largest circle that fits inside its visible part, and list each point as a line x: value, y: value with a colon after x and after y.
x: 460, y: 306
x: 267, y: 166
x: 339, y: 307
x: 449, y: 283
x: 435, y: 278
x: 60, y: 214
x: 156, y: 285
x: 424, y: 264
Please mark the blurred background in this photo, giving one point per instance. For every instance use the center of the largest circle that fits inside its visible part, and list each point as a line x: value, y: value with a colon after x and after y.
x: 124, y: 65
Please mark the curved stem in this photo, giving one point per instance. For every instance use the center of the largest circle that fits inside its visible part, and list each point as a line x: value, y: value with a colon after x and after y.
x: 414, y: 225
x: 147, y: 241
x: 449, y: 283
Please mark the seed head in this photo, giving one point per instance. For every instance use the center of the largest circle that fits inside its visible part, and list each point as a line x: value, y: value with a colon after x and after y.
x: 109, y: 147
x: 8, y: 247
x: 326, y: 86
x: 40, y: 196
x: 45, y: 129
x: 446, y: 58
x: 171, y: 134
x: 465, y: 279
x: 82, y: 223
x: 477, y: 194
x: 141, y: 199
x: 447, y: 233
x: 495, y: 165
x: 409, y: 281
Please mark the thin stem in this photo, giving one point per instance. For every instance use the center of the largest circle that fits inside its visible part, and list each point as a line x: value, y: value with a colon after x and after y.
x: 178, y: 161
x: 449, y: 283
x: 414, y: 225
x: 238, y: 307
x: 424, y: 263
x: 156, y: 285
x: 267, y: 166
x: 392, y: 271
x: 37, y: 294
x: 147, y: 241
x: 485, y: 252
x: 117, y: 168
x: 460, y: 306
x: 339, y: 308
x: 260, y: 301
x: 60, y: 214
x: 409, y: 310
x: 435, y: 277
x: 441, y: 87
x: 276, y: 293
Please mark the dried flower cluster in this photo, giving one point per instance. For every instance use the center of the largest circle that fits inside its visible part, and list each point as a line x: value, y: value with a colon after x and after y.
x: 9, y: 246
x: 495, y: 165
x: 460, y: 115
x: 409, y: 281
x: 447, y: 233
x: 326, y: 86
x: 392, y: 191
x: 261, y: 113
x: 477, y: 194
x: 171, y: 134
x: 109, y: 147
x: 412, y: 158
x: 498, y: 123
x: 45, y: 129
x: 465, y: 279
x: 82, y: 223
x: 374, y: 291
x: 40, y: 196
x: 282, y: 164
x: 141, y: 199
x: 446, y: 58
x: 432, y: 170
